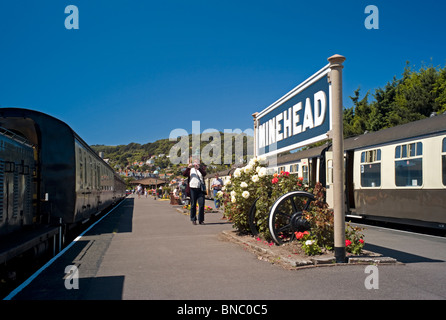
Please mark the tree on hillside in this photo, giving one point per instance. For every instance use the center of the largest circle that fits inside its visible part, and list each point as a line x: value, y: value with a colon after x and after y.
x: 415, y: 96
x: 358, y: 116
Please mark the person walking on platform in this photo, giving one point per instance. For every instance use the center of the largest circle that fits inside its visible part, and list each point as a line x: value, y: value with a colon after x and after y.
x: 196, y: 173
x: 183, y: 187
x: 216, y: 186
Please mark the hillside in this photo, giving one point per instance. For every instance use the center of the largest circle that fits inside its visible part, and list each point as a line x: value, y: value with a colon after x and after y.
x: 134, y: 156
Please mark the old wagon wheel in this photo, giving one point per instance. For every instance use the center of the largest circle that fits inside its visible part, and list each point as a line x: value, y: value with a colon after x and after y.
x: 252, y: 218
x: 286, y: 216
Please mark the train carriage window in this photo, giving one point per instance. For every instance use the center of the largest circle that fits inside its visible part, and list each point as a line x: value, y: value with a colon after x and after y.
x: 371, y: 168
x: 98, y: 176
x: 404, y: 151
x: 398, y: 152
x: 419, y: 149
x: 89, y: 173
x: 9, y: 166
x: 409, y: 165
x: 81, y: 170
x: 85, y: 170
x: 305, y: 174
x: 412, y: 150
x: 294, y: 168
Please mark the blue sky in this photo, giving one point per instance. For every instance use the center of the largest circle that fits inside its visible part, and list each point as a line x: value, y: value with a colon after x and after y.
x: 136, y: 70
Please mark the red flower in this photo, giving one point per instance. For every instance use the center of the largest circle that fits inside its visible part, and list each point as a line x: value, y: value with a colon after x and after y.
x: 301, y: 178
x: 347, y: 243
x: 274, y: 180
x: 285, y: 173
x: 360, y: 240
x: 300, y: 235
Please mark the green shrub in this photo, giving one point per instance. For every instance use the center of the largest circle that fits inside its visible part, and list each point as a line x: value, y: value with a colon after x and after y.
x: 252, y: 182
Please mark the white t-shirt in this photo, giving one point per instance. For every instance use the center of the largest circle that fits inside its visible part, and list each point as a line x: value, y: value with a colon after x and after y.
x: 195, y: 176
x: 217, y: 183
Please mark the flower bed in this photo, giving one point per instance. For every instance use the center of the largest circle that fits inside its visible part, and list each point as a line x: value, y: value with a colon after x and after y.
x: 206, y: 208
x: 253, y: 182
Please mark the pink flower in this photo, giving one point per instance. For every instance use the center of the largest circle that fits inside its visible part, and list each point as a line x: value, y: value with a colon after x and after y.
x: 274, y: 180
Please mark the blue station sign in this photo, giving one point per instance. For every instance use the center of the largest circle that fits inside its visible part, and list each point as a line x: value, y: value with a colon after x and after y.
x: 301, y: 117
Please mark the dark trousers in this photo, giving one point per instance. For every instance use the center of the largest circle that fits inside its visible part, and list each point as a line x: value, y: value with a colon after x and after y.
x: 196, y: 196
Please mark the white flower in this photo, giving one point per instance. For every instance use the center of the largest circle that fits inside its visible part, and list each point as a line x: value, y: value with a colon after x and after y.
x: 247, y: 169
x: 262, y: 160
x: 223, y: 188
x: 243, y: 184
x: 309, y: 242
x: 253, y: 162
x: 262, y: 172
x: 255, y: 178
x: 228, y: 182
x: 237, y: 173
x: 219, y: 194
x: 233, y: 193
x: 245, y: 194
x: 233, y: 200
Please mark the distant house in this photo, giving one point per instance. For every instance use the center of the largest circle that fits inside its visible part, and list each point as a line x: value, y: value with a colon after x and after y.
x: 149, y: 182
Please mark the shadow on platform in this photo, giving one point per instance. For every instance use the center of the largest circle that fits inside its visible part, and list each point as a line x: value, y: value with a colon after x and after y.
x: 400, y: 256
x: 101, y: 288
x: 121, y: 220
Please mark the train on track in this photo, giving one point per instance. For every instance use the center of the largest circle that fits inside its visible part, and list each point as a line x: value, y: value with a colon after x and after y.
x: 50, y: 182
x: 394, y: 175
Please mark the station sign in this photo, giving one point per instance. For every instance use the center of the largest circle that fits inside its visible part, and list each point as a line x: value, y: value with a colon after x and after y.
x: 301, y: 117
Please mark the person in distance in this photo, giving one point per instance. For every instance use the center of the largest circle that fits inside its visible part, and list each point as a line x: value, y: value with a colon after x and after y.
x: 196, y: 173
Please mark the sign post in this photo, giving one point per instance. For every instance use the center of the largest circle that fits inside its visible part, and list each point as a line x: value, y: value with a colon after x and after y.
x: 338, y: 157
x: 301, y: 117
x: 306, y: 115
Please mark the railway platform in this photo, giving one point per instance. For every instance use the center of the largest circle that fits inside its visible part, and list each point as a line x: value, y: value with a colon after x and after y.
x: 146, y: 250
x: 142, y: 245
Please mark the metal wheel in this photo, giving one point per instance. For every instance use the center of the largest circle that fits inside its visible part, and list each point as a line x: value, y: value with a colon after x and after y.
x: 286, y: 216
x: 252, y: 218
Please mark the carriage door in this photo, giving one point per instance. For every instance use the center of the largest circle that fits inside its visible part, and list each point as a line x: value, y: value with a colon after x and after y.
x: 349, y: 185
x: 313, y: 171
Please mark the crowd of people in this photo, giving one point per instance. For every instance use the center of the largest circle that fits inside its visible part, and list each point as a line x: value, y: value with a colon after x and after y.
x: 145, y: 191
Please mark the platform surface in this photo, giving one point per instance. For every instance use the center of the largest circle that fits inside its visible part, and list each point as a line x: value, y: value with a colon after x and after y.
x: 146, y: 249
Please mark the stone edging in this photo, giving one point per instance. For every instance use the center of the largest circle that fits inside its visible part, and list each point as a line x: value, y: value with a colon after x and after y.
x: 299, y: 262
